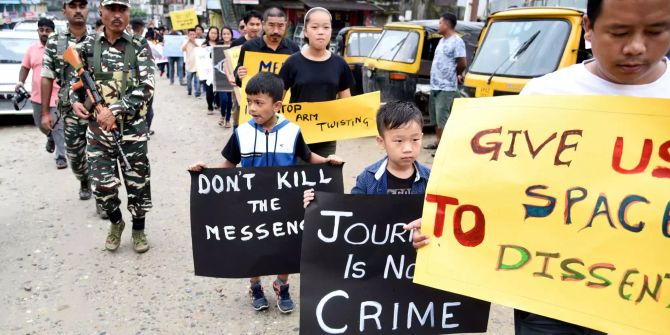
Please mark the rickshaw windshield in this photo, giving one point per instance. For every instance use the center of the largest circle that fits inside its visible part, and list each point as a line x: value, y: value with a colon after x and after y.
x: 361, y: 43
x: 499, y: 52
x: 397, y: 46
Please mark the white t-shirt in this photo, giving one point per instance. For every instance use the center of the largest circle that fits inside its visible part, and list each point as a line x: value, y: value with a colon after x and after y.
x: 578, y: 80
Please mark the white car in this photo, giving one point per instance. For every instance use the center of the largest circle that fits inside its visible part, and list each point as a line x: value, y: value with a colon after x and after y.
x: 31, y: 26
x: 13, y: 45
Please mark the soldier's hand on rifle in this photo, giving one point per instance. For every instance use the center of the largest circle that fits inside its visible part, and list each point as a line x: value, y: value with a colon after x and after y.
x: 106, y: 119
x: 80, y: 111
x: 242, y: 72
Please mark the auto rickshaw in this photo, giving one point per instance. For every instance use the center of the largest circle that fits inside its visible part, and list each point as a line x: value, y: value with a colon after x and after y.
x: 354, y: 45
x: 399, y: 64
x: 520, y: 44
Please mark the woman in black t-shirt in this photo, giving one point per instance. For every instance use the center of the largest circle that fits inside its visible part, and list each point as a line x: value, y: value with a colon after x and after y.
x: 315, y: 74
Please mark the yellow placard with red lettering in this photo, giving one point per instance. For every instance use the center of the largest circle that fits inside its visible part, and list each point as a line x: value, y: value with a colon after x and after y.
x: 183, y: 19
x: 320, y: 121
x: 559, y: 206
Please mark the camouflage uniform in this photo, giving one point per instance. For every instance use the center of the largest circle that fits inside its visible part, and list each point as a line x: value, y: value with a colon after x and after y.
x: 54, y: 67
x: 126, y: 82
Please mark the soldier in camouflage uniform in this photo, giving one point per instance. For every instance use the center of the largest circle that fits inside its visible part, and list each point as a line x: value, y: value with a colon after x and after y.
x: 123, y: 68
x: 55, y: 68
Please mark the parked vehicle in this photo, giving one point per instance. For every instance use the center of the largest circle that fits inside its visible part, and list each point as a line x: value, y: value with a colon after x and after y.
x: 399, y: 64
x: 31, y: 26
x: 13, y: 45
x: 354, y: 45
x: 520, y: 44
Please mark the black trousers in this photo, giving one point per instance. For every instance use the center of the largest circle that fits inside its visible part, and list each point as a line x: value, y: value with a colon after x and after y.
x: 532, y: 324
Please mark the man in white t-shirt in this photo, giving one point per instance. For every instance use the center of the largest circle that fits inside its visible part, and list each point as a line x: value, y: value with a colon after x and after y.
x: 445, y: 74
x: 629, y: 40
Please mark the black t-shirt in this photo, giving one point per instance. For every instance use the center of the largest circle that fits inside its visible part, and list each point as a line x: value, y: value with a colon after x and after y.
x: 315, y: 81
x: 232, y: 153
x: 395, y: 185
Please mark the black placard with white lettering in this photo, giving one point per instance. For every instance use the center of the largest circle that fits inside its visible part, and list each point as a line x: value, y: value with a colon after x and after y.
x: 357, y: 264
x: 248, y: 221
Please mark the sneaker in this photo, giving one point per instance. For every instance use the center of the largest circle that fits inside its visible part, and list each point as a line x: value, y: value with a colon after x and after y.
x: 284, y: 301
x: 227, y: 124
x: 101, y: 212
x: 51, y: 145
x: 140, y: 244
x: 189, y: 93
x: 210, y: 112
x: 85, y: 190
x: 258, y: 300
x: 61, y: 162
x: 114, y: 236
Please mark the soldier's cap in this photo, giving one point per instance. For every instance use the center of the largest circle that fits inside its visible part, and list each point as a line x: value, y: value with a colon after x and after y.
x: 71, y: 1
x: 115, y: 2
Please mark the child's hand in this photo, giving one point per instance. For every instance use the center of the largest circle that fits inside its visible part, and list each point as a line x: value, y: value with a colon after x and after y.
x: 197, y: 167
x: 334, y: 160
x: 307, y: 197
x: 418, y: 240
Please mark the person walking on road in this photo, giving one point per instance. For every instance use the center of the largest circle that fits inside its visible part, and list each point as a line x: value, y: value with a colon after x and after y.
x: 315, y: 74
x: 32, y: 60
x: 123, y: 68
x: 55, y: 68
x: 445, y: 74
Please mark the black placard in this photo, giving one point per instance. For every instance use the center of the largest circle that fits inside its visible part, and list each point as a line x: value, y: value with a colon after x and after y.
x: 248, y: 221
x: 221, y: 82
x: 335, y: 293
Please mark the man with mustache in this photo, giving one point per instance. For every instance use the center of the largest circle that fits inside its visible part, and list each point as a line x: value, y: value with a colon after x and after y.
x: 123, y: 68
x: 32, y: 60
x: 55, y: 68
x: 272, y: 41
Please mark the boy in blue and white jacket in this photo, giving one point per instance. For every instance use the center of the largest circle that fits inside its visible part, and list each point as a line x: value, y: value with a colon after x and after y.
x: 268, y: 139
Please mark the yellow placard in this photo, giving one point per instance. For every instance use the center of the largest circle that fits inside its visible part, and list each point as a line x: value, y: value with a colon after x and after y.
x: 320, y: 121
x: 183, y: 19
x: 341, y: 119
x: 558, y: 206
x: 256, y: 62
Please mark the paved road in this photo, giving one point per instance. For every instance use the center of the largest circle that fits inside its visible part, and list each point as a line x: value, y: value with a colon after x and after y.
x: 56, y: 277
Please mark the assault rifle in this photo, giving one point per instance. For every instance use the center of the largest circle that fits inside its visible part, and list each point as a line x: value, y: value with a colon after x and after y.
x: 86, y: 82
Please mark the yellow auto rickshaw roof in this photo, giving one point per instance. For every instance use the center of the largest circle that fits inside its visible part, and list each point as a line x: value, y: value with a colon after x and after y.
x: 364, y: 28
x: 516, y: 13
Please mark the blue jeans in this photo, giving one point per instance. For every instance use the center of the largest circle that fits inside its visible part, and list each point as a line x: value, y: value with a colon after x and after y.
x: 180, y: 68
x: 226, y: 103
x: 192, y: 80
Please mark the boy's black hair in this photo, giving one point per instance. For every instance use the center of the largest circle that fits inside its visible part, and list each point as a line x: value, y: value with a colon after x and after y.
x: 190, y: 30
x: 137, y: 24
x: 201, y: 28
x: 273, y: 12
x: 266, y: 83
x: 44, y: 22
x: 249, y: 15
x: 451, y: 18
x: 395, y: 114
x: 593, y: 9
